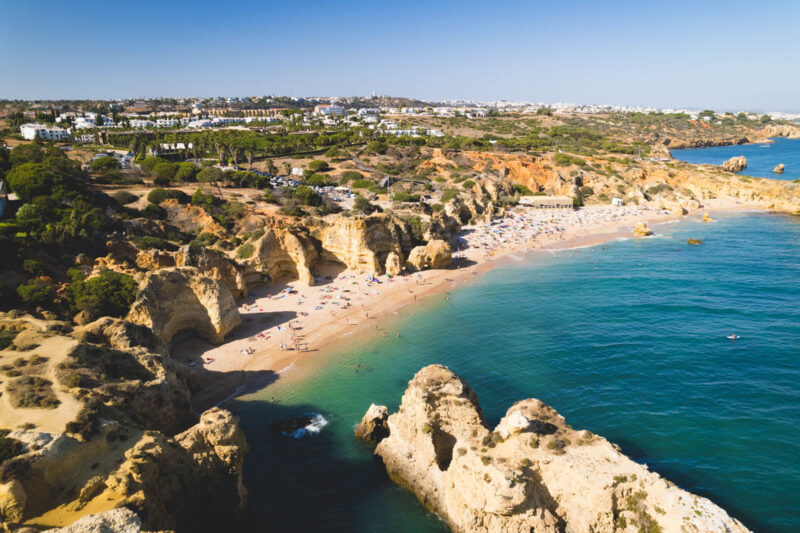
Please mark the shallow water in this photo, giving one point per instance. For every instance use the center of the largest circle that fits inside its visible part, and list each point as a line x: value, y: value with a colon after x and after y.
x: 761, y: 158
x: 626, y: 339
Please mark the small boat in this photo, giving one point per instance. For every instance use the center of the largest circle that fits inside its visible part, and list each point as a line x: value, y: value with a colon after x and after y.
x: 734, y: 337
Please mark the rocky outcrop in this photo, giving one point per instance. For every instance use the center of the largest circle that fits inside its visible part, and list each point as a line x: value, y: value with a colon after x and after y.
x: 532, y: 472
x: 642, y: 230
x: 435, y: 254
x: 192, y: 482
x: 363, y: 243
x: 182, y: 298
x: 394, y: 265
x: 114, y: 521
x: 215, y: 265
x: 282, y: 254
x: 373, y: 425
x: 121, y: 335
x: 695, y: 242
x: 735, y: 164
x: 780, y: 168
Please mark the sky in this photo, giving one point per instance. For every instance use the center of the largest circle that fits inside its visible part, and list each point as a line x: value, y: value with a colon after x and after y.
x: 731, y: 55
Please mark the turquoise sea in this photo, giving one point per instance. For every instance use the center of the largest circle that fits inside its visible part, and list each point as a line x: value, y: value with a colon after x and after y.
x: 627, y: 339
x: 761, y: 158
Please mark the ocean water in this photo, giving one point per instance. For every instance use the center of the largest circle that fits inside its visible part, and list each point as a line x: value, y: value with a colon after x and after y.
x: 627, y: 339
x: 761, y: 158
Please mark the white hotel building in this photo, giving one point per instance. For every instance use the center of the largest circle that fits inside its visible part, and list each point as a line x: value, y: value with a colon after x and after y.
x: 31, y: 131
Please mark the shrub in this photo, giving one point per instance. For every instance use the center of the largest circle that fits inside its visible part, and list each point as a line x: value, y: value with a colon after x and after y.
x: 522, y: 190
x: 245, y: 251
x: 107, y: 294
x: 36, y: 292
x: 6, y: 338
x: 32, y: 391
x: 362, y: 205
x: 9, y: 447
x: 587, y: 191
x: 161, y: 181
x: 124, y: 197
x: 306, y: 195
x: 448, y: 195
x: 156, y: 196
x: 187, y: 172
x: 319, y: 166
x: 403, y: 196
x: 376, y: 147
x: 318, y: 180
x: 361, y: 184
x: 468, y: 184
x: 565, y: 160
x: 349, y: 176
x: 655, y: 189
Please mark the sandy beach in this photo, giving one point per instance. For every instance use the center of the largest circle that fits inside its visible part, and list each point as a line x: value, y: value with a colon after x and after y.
x: 288, y: 330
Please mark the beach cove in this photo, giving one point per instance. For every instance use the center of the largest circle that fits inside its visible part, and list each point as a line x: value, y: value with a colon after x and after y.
x: 290, y: 329
x: 626, y: 339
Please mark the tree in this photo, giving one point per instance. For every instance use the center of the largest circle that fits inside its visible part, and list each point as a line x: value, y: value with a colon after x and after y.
x: 319, y: 166
x: 362, y: 205
x: 36, y: 292
x: 107, y: 294
x: 29, y: 180
x: 307, y: 196
x: 186, y: 172
x: 26, y: 153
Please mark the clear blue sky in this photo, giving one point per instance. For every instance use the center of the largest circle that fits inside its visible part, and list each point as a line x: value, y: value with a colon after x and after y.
x: 723, y: 55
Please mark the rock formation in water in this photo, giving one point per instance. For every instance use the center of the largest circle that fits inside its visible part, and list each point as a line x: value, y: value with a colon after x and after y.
x: 435, y: 254
x: 373, y: 426
x: 171, y: 300
x: 779, y: 168
x: 642, y: 230
x: 735, y: 164
x: 532, y: 472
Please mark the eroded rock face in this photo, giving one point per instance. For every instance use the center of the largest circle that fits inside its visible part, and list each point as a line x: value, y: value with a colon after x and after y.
x: 282, y: 254
x: 735, y: 164
x: 363, y: 244
x: 435, y: 254
x: 215, y: 265
x: 192, y: 481
x: 533, y: 472
x: 181, y: 298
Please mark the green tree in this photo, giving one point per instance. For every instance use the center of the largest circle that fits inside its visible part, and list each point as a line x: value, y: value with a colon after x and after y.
x: 107, y: 294
x: 362, y: 205
x: 36, y: 292
x: 307, y: 196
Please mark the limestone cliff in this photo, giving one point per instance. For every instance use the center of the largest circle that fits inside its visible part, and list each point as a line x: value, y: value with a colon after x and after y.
x: 182, y: 298
x: 363, y: 243
x: 215, y: 265
x: 435, y: 254
x: 122, y: 433
x: 532, y: 472
x: 282, y: 254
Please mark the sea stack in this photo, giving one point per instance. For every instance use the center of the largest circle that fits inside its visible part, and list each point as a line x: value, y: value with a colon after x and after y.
x: 735, y: 164
x: 707, y: 218
x: 642, y: 230
x: 532, y: 472
x: 779, y: 169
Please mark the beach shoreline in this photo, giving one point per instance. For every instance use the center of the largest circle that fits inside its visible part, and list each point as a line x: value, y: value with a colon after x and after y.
x: 348, y: 310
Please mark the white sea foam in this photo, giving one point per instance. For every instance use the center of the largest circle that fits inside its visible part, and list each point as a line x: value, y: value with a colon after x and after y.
x: 288, y: 367
x: 312, y: 428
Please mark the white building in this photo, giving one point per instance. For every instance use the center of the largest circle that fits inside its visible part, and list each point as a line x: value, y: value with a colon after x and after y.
x: 31, y: 131
x: 328, y: 110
